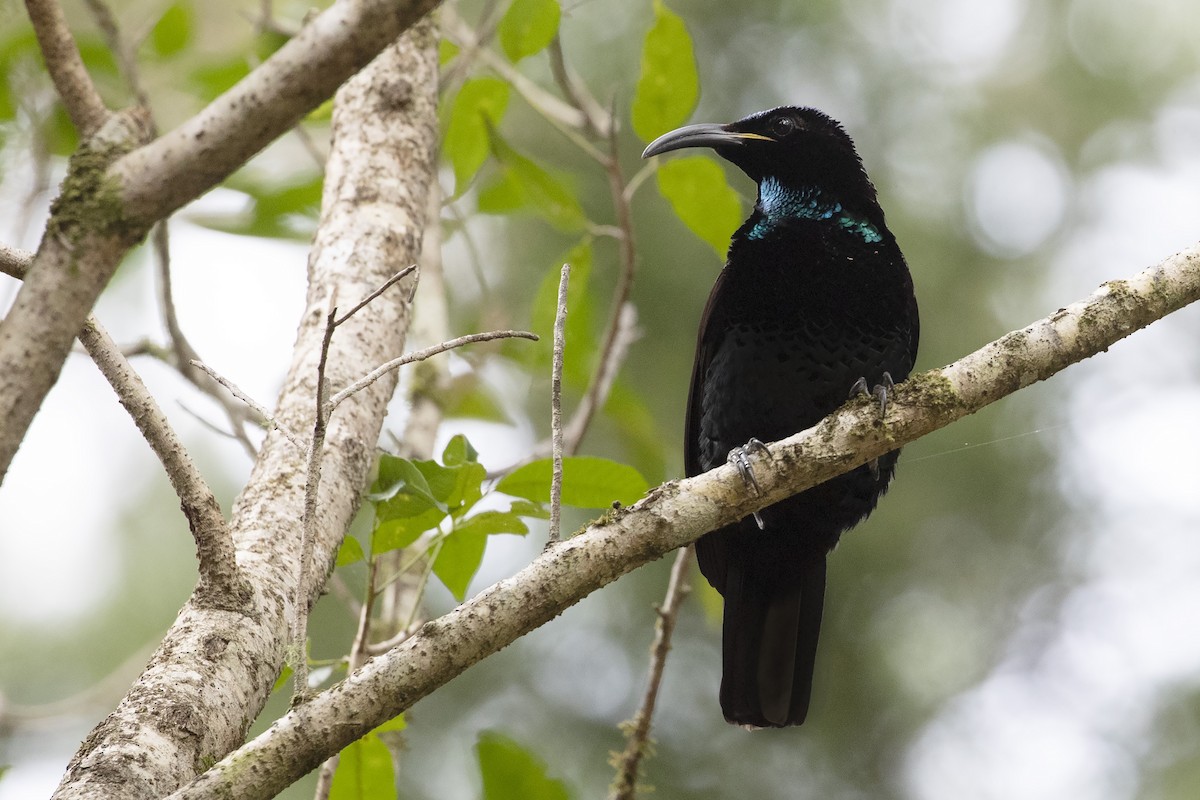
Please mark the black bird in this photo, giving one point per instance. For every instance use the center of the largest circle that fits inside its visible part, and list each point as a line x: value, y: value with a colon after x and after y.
x: 815, y: 303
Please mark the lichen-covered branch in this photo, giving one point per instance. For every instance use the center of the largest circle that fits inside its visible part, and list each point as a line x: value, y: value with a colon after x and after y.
x: 679, y: 512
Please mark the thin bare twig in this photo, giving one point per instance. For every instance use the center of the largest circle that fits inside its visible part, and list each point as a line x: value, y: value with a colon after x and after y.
x: 556, y: 431
x: 383, y: 288
x: 597, y: 122
x: 619, y: 332
x: 316, y: 452
x: 183, y: 355
x: 421, y: 355
x: 624, y: 786
x: 546, y: 103
x: 66, y: 68
x: 123, y: 51
x: 250, y: 401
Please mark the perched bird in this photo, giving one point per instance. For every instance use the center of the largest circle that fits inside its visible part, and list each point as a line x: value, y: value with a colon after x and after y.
x: 815, y: 303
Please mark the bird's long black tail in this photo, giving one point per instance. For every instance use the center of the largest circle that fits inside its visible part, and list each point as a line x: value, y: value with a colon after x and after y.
x: 769, y: 638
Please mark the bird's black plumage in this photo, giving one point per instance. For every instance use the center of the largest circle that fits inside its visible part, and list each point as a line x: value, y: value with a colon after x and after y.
x: 815, y: 295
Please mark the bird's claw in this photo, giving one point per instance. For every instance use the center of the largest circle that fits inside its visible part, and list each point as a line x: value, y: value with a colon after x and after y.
x: 740, y: 458
x: 880, y: 392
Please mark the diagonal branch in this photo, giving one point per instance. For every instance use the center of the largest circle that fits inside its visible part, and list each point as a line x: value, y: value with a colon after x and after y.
x: 677, y: 513
x: 637, y: 730
x: 65, y: 65
x: 221, y: 582
x: 203, y: 151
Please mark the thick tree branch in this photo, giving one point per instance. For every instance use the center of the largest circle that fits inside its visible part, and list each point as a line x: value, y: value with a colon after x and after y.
x: 200, y: 153
x: 117, y: 188
x: 84, y: 106
x: 213, y: 672
x: 677, y: 513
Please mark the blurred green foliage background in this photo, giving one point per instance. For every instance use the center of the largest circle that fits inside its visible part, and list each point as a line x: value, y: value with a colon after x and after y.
x: 1017, y: 620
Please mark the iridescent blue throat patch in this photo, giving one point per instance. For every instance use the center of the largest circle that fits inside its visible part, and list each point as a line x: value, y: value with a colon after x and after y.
x: 780, y: 203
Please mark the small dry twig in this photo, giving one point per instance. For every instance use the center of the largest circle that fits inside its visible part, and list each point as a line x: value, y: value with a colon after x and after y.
x: 624, y: 786
x: 556, y: 430
x: 421, y: 355
x: 248, y: 400
x: 382, y: 288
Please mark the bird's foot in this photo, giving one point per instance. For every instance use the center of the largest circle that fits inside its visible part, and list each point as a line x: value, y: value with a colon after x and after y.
x: 740, y: 458
x: 880, y: 392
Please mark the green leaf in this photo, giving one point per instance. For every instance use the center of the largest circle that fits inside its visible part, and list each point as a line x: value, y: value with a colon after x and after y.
x: 458, y: 488
x: 364, y: 772
x: 282, y: 680
x: 530, y: 509
x: 173, y: 31
x: 350, y: 552
x: 522, y: 184
x: 396, y: 534
x: 405, y: 506
x: 701, y: 197
x: 480, y: 102
x: 527, y: 27
x: 459, y: 451
x: 267, y: 42
x: 458, y: 560
x: 447, y: 50
x: 510, y: 772
x: 275, y: 210
x: 493, y: 522
x: 395, y: 724
x: 214, y: 79
x: 668, y: 86
x: 59, y: 133
x: 588, y: 482
x: 401, y: 487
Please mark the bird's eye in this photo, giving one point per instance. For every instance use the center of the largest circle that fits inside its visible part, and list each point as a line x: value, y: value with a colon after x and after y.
x: 783, y: 126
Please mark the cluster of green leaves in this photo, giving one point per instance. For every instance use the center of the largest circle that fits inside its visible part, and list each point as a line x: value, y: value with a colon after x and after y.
x: 439, y: 505
x: 509, y: 770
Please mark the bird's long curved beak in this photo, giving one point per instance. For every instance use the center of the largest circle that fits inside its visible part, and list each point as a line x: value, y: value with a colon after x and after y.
x: 706, y: 134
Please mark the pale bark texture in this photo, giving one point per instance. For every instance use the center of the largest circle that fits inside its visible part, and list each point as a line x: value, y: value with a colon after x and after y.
x: 212, y: 673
